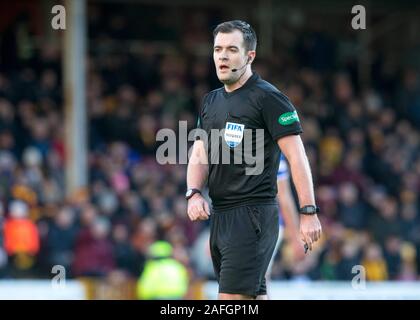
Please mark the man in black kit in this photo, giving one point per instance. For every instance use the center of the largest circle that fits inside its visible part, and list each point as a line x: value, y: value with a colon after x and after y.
x: 244, y: 216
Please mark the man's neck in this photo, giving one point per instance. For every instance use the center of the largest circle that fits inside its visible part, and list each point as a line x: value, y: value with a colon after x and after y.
x: 241, y: 81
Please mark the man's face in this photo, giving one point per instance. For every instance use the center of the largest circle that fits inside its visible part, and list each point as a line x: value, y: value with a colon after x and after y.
x: 229, y: 53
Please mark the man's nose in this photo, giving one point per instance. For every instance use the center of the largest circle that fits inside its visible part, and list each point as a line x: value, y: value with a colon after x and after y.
x: 223, y: 56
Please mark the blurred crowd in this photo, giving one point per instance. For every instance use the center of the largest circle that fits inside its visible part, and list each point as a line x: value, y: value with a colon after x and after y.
x: 362, y: 143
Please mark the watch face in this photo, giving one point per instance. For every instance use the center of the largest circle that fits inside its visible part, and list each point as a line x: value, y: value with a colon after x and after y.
x: 309, y: 210
x: 188, y: 193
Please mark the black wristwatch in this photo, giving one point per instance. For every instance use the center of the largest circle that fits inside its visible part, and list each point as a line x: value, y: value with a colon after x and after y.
x: 309, y: 210
x: 191, y: 192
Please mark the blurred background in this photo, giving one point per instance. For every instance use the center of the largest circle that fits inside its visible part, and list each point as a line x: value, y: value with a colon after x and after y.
x: 93, y: 198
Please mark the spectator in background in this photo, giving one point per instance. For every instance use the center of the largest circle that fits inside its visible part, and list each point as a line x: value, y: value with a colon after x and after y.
x: 93, y: 252
x: 3, y: 254
x: 351, y: 209
x: 392, y: 254
x: 163, y: 277
x: 374, y: 263
x: 61, y: 239
x: 144, y: 235
x: 407, y: 270
x: 350, y: 257
x: 21, y: 239
x: 123, y: 252
x: 410, y: 96
x: 385, y: 222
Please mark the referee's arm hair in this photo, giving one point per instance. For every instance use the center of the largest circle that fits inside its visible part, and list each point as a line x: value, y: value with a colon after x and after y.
x: 294, y: 150
x: 197, y: 172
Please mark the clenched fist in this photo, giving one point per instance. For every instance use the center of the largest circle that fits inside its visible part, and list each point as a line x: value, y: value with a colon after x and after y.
x: 198, y: 208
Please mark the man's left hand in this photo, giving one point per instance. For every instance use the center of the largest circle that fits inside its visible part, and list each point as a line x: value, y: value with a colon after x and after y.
x: 310, y: 229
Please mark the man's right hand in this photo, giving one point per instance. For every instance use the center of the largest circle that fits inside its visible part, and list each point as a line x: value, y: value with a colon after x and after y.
x: 198, y: 208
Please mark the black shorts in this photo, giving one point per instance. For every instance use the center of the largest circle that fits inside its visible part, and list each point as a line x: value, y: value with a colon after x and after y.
x: 242, y: 242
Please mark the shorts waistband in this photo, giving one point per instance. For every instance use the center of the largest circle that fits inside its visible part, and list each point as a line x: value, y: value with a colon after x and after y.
x: 221, y: 210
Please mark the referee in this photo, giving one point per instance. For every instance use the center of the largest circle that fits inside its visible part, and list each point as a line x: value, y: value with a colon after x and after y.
x: 244, y: 217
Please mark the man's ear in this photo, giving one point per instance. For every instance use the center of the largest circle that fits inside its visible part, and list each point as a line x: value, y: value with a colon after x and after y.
x: 251, y: 56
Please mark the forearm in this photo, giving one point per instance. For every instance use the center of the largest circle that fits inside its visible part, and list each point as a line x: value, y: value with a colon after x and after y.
x: 198, y: 167
x: 197, y: 172
x: 196, y: 175
x: 293, y: 149
x: 302, y: 176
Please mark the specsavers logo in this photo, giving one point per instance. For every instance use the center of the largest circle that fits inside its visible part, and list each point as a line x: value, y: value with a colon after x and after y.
x: 288, y: 118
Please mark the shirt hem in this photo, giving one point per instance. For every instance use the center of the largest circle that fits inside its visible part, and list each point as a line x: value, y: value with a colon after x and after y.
x: 219, y: 208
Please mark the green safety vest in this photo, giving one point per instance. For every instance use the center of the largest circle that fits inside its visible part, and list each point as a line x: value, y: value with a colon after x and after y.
x: 162, y: 279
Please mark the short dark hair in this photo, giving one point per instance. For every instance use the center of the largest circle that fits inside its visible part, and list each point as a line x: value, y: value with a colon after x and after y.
x: 250, y: 37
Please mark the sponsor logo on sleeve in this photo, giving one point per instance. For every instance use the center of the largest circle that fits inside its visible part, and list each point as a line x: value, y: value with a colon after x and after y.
x: 288, y: 118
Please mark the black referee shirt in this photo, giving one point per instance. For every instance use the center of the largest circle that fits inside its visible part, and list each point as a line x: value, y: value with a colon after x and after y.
x: 255, y: 105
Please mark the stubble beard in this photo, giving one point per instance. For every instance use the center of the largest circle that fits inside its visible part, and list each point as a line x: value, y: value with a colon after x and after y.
x: 229, y: 81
